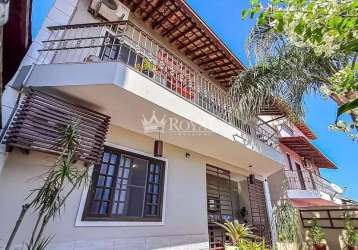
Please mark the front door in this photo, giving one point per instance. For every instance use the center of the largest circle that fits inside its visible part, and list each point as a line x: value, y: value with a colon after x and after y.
x: 259, y: 217
x: 222, y: 202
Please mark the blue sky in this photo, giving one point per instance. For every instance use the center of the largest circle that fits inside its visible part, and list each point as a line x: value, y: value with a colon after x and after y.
x: 224, y: 17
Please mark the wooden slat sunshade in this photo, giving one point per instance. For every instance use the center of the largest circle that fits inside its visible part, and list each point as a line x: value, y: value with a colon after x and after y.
x: 182, y: 27
x: 40, y: 118
x: 304, y: 148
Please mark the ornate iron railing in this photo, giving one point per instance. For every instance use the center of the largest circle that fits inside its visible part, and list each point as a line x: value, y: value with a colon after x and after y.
x: 125, y: 42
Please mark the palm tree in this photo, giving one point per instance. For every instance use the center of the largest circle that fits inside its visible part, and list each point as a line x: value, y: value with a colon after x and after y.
x: 286, y: 73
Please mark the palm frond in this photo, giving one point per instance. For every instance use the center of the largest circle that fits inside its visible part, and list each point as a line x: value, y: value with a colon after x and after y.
x: 281, y: 70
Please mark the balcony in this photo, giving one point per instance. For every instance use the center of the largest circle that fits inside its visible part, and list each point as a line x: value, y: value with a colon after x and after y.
x: 308, y: 181
x: 125, y: 43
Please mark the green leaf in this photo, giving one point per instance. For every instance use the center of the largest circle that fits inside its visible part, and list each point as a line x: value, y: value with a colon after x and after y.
x: 300, y: 27
x: 347, y: 107
x: 275, y: 2
x: 262, y: 18
x: 244, y: 14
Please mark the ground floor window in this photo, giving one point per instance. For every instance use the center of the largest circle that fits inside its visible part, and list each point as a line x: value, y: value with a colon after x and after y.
x: 126, y: 187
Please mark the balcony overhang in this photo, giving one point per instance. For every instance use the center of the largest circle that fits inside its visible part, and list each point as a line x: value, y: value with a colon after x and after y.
x: 276, y: 108
x: 127, y: 96
x: 304, y: 148
x: 182, y: 27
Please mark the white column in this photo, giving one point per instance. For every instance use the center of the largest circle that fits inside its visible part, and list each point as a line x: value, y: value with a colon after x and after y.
x: 270, y: 211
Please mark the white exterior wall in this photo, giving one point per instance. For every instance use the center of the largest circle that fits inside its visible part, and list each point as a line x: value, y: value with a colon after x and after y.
x: 185, y: 211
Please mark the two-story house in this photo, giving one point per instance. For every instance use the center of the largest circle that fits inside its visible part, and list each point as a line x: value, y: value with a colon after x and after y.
x: 148, y: 81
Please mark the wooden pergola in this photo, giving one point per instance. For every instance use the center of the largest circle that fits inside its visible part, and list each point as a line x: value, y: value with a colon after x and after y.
x: 182, y: 27
x: 305, y: 149
x: 278, y: 110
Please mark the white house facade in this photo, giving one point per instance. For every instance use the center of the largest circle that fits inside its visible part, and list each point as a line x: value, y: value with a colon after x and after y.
x: 169, y: 156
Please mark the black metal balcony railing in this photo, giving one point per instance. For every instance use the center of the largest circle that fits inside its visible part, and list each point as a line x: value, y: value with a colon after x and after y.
x: 126, y: 43
x: 307, y: 180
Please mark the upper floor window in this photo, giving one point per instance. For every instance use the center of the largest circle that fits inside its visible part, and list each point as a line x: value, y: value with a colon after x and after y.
x: 126, y: 187
x: 289, y: 161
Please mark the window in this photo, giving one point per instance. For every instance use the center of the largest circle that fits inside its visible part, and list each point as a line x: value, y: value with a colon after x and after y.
x: 126, y: 187
x: 289, y: 161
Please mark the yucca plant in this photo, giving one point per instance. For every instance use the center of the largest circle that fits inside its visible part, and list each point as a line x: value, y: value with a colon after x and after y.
x: 241, y: 237
x: 236, y: 232
x: 48, y: 200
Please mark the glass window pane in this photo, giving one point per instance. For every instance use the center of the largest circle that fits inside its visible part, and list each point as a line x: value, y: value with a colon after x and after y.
x: 98, y: 194
x: 120, y: 172
x: 157, y: 169
x: 150, y: 188
x: 111, y: 170
x: 113, y: 159
x: 106, y: 194
x: 100, y: 181
x: 151, y: 167
x: 149, y: 198
x: 127, y: 162
x: 134, y: 202
x: 104, y: 208
x: 95, y: 207
x: 155, y: 199
x: 156, y: 188
x: 122, y: 197
x: 108, y: 181
x: 105, y: 157
x: 120, y: 208
x: 116, y: 194
x: 156, y: 178
x: 138, y: 172
x: 114, y: 208
x: 103, y: 169
x: 151, y: 177
x: 154, y: 210
x: 126, y: 173
x: 124, y: 53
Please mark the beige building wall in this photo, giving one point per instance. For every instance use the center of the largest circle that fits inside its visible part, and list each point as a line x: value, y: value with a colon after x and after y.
x: 184, y: 224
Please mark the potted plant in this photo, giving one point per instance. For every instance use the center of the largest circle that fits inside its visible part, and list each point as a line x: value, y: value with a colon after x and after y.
x: 241, y: 237
x: 350, y: 235
x: 317, y: 236
x: 146, y: 67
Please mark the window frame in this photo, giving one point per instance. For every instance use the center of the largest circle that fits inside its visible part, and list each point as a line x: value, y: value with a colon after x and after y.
x: 85, y: 215
x: 289, y: 160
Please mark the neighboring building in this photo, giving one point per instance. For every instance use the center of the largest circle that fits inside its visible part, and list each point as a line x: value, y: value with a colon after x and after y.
x: 16, y: 37
x: 303, y: 183
x: 157, y: 72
